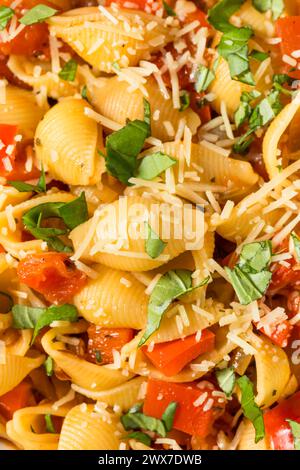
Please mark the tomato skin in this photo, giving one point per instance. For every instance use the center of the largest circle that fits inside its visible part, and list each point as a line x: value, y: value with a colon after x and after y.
x: 52, y: 275
x: 277, y: 428
x: 280, y: 334
x: 105, y: 340
x: 19, y: 397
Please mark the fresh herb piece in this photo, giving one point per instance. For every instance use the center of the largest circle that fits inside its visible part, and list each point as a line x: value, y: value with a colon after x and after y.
x: 295, y: 427
x: 37, y: 14
x: 221, y: 13
x: 48, y: 364
x: 134, y: 419
x: 203, y: 78
x: 84, y: 93
x: 49, y: 424
x: 185, y: 100
x: 169, y: 415
x: 123, y: 147
x: 169, y: 10
x: 139, y: 436
x: 282, y: 78
x: 69, y: 70
x: 244, y: 110
x: 296, y: 242
x: 72, y: 213
x: 276, y: 6
x: 154, y: 246
x: 23, y: 187
x: 250, y: 408
x: 226, y: 380
x: 6, y: 302
x: 250, y: 277
x: 33, y: 317
x: 98, y: 356
x: 169, y: 287
x: 243, y: 143
x: 6, y: 14
x: 153, y: 165
x: 258, y: 55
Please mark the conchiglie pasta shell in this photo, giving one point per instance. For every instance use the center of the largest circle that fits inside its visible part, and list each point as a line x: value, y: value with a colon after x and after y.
x: 84, y: 28
x: 247, y: 441
x: 113, y: 99
x: 10, y: 195
x: 93, y: 239
x: 259, y: 22
x: 73, y: 138
x: 86, y: 430
x: 22, y: 110
x: 107, y: 302
x: 82, y: 373
x: 125, y: 395
x: 15, y: 369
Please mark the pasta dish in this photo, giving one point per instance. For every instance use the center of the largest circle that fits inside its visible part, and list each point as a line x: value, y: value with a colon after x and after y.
x: 149, y: 224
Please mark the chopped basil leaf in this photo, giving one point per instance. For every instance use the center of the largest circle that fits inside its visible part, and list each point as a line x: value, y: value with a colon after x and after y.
x: 139, y: 436
x: 49, y: 424
x: 98, y: 356
x: 6, y: 14
x: 169, y: 415
x: 295, y: 427
x: 123, y: 147
x: 259, y: 55
x: 134, y: 419
x: 221, y: 13
x: 84, y: 92
x: 37, y: 14
x: 169, y: 287
x: 244, y: 110
x: 296, y: 242
x: 23, y: 187
x: 276, y: 6
x: 282, y: 78
x: 154, y: 246
x: 243, y: 143
x: 153, y: 165
x: 169, y: 10
x: 72, y: 213
x: 250, y: 408
x: 6, y: 302
x: 226, y: 380
x: 33, y: 317
x: 185, y: 100
x: 48, y: 364
x: 68, y: 72
x: 203, y: 78
x: 250, y: 277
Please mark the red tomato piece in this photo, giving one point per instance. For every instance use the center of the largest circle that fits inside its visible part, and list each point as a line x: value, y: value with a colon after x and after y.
x: 277, y: 428
x: 172, y: 356
x: 8, y: 144
x: 53, y: 275
x: 102, y: 342
x: 189, y: 418
x: 280, y: 334
x: 288, y: 29
x: 17, y: 398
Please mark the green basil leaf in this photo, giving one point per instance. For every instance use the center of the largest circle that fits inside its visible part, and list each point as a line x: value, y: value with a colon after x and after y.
x: 49, y: 424
x: 185, y: 100
x: 295, y: 427
x: 84, y: 93
x: 169, y: 287
x: 203, y: 78
x: 98, y: 356
x: 296, y: 242
x: 6, y: 302
x: 154, y: 246
x: 75, y: 212
x: 6, y: 14
x: 220, y: 14
x: 242, y: 113
x: 276, y: 6
x: 250, y: 408
x: 37, y: 14
x: 251, y: 277
x: 169, y: 415
x: 259, y: 55
x: 243, y: 143
x: 169, y: 10
x: 32, y: 317
x: 139, y: 436
x: 23, y: 187
x: 226, y: 380
x: 153, y: 165
x: 282, y: 78
x: 48, y: 364
x: 123, y: 147
x: 140, y: 421
x: 69, y: 70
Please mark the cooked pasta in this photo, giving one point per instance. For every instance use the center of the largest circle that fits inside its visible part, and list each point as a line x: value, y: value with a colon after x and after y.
x: 149, y: 225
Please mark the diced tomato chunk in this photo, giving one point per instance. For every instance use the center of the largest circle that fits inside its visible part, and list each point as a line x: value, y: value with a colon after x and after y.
x: 277, y: 428
x: 8, y: 133
x: 172, y: 356
x: 197, y: 15
x: 53, y: 275
x: 280, y: 333
x: 103, y: 341
x: 190, y: 417
x: 288, y: 29
x: 17, y: 398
